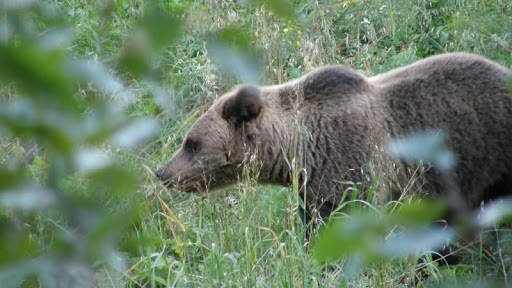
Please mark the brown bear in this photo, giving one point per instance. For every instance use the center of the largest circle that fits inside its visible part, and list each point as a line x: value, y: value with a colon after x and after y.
x: 333, y: 121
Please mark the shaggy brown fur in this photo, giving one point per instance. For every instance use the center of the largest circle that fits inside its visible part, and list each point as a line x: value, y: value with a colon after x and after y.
x: 334, y: 121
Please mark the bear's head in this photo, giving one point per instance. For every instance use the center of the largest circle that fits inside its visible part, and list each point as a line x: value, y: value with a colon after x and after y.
x: 215, y: 147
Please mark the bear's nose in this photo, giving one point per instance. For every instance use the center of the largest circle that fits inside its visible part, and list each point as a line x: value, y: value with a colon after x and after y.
x: 160, y: 172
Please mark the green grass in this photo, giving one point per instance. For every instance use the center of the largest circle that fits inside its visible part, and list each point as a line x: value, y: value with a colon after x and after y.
x: 250, y: 235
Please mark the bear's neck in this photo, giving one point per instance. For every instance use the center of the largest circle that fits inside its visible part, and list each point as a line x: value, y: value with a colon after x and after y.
x: 323, y: 145
x: 277, y: 152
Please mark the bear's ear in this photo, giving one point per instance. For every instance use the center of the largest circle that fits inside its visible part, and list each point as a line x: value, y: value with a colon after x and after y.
x: 244, y: 106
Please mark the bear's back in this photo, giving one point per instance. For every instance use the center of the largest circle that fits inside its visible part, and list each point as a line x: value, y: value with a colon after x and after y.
x: 452, y: 66
x: 465, y: 95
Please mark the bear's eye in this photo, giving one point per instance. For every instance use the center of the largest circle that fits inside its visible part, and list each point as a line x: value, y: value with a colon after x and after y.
x: 191, y: 146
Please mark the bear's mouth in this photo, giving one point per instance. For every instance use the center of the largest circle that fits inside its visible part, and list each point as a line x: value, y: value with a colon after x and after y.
x: 189, y: 185
x: 200, y: 183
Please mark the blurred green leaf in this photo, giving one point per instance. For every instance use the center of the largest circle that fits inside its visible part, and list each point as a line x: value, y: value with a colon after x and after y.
x: 101, y: 237
x: 136, y: 133
x: 416, y: 241
x: 95, y: 73
x: 427, y: 147
x: 236, y: 63
x: 101, y: 121
x: 136, y: 54
x: 368, y: 237
x: 88, y: 160
x: 23, y: 118
x: 495, y: 213
x: 164, y: 98
x: 234, y: 37
x: 359, y: 234
x: 16, y: 5
x: 14, y: 248
x: 233, y: 51
x: 26, y: 197
x: 51, y: 272
x: 161, y: 26
x: 55, y: 39
x: 112, y: 182
x: 10, y: 177
x: 156, y: 30
x: 419, y: 212
x: 39, y: 74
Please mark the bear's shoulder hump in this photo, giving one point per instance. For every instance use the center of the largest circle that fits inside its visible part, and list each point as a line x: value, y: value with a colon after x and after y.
x: 332, y: 81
